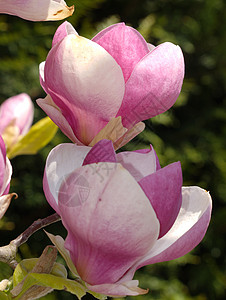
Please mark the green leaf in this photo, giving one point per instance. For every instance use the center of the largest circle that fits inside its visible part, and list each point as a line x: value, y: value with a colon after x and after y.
x: 50, y: 281
x: 26, y: 265
x: 38, y: 136
x: 28, y: 284
x: 98, y: 296
x: 58, y: 241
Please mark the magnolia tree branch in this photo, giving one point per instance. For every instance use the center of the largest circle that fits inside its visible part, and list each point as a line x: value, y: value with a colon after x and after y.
x: 8, y: 253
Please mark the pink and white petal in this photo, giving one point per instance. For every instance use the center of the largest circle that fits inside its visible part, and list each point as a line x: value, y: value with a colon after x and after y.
x: 61, y: 161
x: 154, y: 85
x: 128, y: 288
x: 113, y: 216
x: 57, y: 117
x: 27, y: 110
x: 42, y: 77
x: 2, y: 152
x: 5, y: 169
x: 87, y: 76
x: 34, y: 10
x: 188, y: 229
x: 7, y: 177
x: 51, y: 197
x: 163, y: 189
x: 58, y: 9
x: 5, y: 202
x: 6, y: 191
x: 18, y: 109
x: 2, y: 163
x: 150, y: 47
x: 85, y: 124
x: 103, y: 151
x: 125, y: 44
x: 139, y: 163
x: 147, y: 151
x: 63, y: 30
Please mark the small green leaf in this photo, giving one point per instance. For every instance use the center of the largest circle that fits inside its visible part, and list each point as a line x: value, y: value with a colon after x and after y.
x: 58, y: 241
x: 38, y: 136
x: 26, y: 265
x: 27, y: 286
x: 96, y: 295
x: 52, y: 282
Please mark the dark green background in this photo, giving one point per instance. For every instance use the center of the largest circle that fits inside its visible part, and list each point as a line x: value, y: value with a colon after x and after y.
x: 193, y: 131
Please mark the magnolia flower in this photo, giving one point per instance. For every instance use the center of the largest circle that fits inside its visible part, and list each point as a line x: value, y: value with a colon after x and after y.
x: 37, y: 10
x: 122, y: 211
x: 5, y: 177
x: 16, y: 116
x: 116, y: 74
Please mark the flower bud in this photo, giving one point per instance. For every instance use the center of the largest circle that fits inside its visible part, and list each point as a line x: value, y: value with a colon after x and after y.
x: 122, y: 211
x: 90, y: 82
x: 16, y: 116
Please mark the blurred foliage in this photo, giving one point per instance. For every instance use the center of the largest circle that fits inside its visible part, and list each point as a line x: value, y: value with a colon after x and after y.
x: 193, y: 131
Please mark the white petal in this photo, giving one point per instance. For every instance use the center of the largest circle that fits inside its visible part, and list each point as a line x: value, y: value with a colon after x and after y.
x: 33, y: 10
x: 138, y: 164
x: 61, y: 161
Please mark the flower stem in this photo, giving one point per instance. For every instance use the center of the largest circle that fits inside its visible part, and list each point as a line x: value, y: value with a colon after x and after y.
x: 8, y: 253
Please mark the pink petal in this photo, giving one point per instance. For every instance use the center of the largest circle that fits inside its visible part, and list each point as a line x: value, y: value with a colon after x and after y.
x: 138, y: 163
x: 18, y: 109
x: 156, y: 157
x: 33, y: 10
x: 7, y: 177
x: 163, y: 189
x: 41, y: 76
x: 188, y: 230
x: 186, y: 233
x: 2, y: 164
x: 63, y: 30
x: 150, y: 47
x: 2, y: 153
x: 125, y: 44
x: 5, y: 169
x: 103, y: 151
x: 106, y: 214
x: 154, y: 85
x: 85, y: 124
x: 90, y: 86
x: 56, y: 116
x: 128, y: 288
x: 61, y: 161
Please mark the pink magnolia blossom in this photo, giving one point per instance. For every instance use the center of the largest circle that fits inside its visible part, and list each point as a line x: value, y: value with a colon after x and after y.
x: 37, y: 10
x: 5, y: 177
x: 122, y: 211
x: 117, y: 73
x: 16, y: 117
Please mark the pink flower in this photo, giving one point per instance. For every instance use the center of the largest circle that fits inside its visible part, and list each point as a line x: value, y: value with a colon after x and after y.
x: 122, y: 211
x: 117, y: 73
x: 16, y: 117
x: 37, y: 10
x: 5, y: 177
